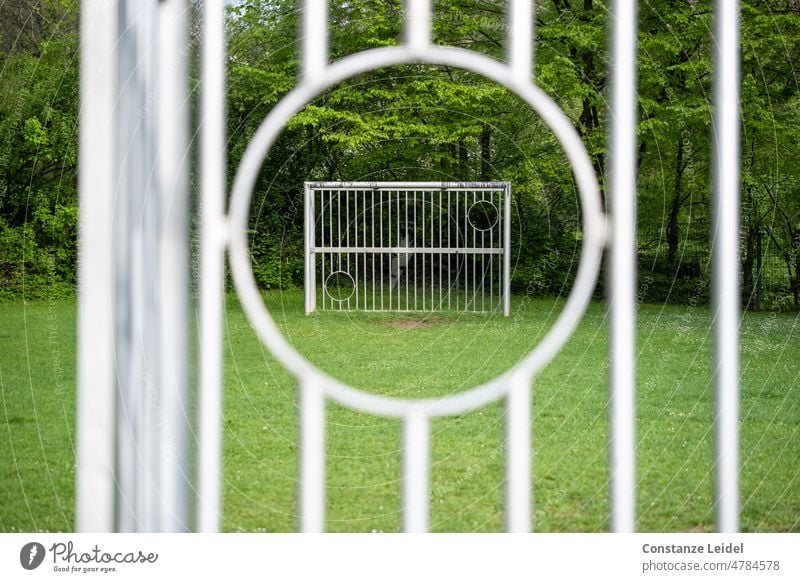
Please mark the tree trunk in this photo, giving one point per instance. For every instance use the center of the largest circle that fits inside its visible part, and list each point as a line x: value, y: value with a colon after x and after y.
x: 486, y: 151
x: 463, y: 156
x: 748, y: 258
x: 673, y: 228
x: 796, y: 254
x: 759, y: 267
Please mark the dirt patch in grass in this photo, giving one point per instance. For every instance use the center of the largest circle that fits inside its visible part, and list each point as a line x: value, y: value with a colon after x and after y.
x: 414, y: 323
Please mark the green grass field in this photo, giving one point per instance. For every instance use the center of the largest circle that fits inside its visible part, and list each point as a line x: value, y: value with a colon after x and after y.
x: 418, y: 356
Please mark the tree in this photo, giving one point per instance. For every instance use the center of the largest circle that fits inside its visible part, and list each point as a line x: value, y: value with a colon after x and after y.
x: 38, y: 159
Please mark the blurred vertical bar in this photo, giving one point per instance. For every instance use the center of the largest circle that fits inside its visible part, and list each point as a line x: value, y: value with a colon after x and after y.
x: 520, y: 39
x: 132, y: 220
x: 94, y: 489
x: 418, y: 24
x: 174, y: 162
x: 213, y: 238
x: 312, y: 456
x: 415, y: 473
x: 725, y: 257
x: 315, y: 38
x: 147, y: 237
x: 622, y: 201
x: 518, y: 461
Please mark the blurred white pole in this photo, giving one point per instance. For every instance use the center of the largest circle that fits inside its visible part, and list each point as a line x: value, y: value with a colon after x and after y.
x: 518, y: 459
x: 415, y: 473
x: 521, y: 34
x: 312, y: 457
x: 213, y: 237
x: 315, y: 38
x: 725, y: 257
x: 418, y: 24
x: 149, y: 233
x: 622, y: 202
x: 130, y: 269
x: 94, y: 494
x: 173, y: 289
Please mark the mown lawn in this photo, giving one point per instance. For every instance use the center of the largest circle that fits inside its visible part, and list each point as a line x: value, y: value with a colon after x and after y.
x: 435, y: 355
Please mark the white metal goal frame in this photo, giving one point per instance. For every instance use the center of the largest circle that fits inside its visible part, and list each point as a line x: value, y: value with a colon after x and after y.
x: 407, y: 246
x: 133, y: 436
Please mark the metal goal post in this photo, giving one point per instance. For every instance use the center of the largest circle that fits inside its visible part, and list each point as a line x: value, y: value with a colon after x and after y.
x: 407, y: 246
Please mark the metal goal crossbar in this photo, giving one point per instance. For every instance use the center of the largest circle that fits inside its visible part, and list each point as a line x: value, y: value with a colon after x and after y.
x: 407, y: 246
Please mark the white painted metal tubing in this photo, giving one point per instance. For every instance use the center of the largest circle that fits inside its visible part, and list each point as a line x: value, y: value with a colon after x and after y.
x: 312, y: 456
x: 507, y: 253
x: 725, y: 257
x: 310, y: 261
x: 412, y: 250
x: 415, y: 472
x: 173, y: 288
x: 419, y: 186
x: 521, y: 38
x: 518, y: 458
x: 213, y: 235
x: 315, y: 39
x: 418, y: 24
x: 623, y: 266
x: 94, y: 488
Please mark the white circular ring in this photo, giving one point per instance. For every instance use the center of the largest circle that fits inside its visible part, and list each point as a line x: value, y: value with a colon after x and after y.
x: 496, y: 215
x: 594, y: 225
x: 349, y: 295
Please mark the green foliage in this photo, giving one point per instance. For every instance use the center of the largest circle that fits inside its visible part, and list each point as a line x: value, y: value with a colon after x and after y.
x: 37, y: 259
x: 427, y: 122
x: 38, y: 162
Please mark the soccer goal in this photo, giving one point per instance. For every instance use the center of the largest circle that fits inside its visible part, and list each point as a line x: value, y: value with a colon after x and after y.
x: 407, y: 246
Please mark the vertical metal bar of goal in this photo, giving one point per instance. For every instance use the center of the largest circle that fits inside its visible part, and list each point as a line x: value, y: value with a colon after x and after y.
x: 323, y: 241
x: 623, y: 266
x: 310, y: 257
x: 507, y: 251
x: 725, y: 258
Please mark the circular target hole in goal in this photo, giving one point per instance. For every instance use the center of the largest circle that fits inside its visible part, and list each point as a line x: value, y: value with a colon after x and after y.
x: 483, y: 215
x: 339, y: 286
